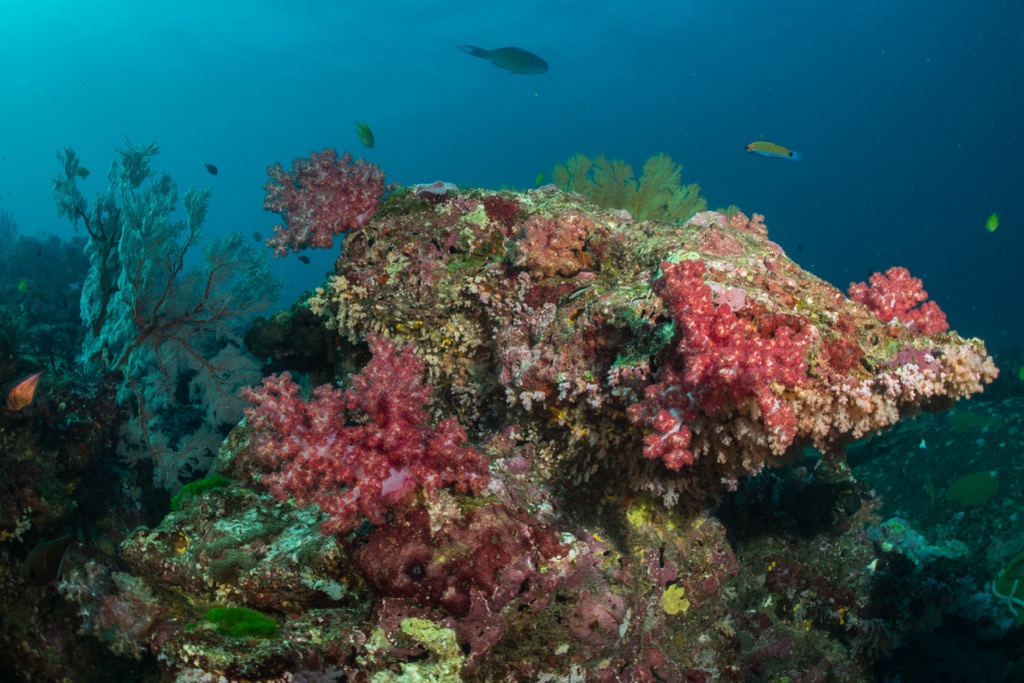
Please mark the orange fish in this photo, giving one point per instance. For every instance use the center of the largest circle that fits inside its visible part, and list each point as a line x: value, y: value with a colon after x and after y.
x: 23, y: 392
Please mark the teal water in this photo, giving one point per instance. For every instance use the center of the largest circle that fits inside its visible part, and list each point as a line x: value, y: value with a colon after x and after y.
x: 907, y: 117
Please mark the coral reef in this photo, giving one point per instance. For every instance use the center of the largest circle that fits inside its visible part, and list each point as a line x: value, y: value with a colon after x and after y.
x: 559, y: 442
x: 700, y: 345
x: 39, y: 323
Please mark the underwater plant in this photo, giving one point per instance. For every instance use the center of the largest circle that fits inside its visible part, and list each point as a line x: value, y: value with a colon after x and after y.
x: 172, y: 334
x: 657, y: 195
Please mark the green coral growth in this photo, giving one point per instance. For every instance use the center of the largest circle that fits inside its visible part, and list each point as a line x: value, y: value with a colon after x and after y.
x: 190, y: 491
x: 657, y: 195
x: 439, y: 640
x: 242, y: 622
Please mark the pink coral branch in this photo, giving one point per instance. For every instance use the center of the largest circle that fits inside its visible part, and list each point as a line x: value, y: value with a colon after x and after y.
x: 896, y: 294
x: 360, y: 452
x: 321, y: 197
x: 725, y: 361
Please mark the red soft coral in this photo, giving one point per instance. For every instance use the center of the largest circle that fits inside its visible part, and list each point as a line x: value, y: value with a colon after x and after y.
x: 897, y: 294
x: 321, y: 197
x: 360, y: 452
x: 725, y: 361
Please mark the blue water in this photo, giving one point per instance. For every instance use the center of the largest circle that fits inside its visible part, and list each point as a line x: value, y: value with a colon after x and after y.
x: 908, y: 119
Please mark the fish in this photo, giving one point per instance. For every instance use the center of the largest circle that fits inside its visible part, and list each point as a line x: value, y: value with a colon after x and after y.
x: 24, y: 285
x: 211, y: 168
x: 514, y: 59
x: 82, y: 172
x: 23, y: 392
x: 539, y: 180
x: 992, y: 223
x: 257, y: 236
x: 180, y: 542
x: 772, y: 151
x: 304, y: 259
x: 365, y: 134
x: 46, y: 561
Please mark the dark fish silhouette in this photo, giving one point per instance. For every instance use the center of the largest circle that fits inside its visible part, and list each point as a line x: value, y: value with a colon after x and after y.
x: 257, y: 236
x: 514, y: 59
x: 46, y: 560
x: 304, y: 259
x: 211, y: 168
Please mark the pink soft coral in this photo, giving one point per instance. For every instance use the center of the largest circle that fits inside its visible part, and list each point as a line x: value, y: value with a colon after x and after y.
x: 363, y: 451
x: 720, y: 360
x: 321, y: 197
x: 897, y: 294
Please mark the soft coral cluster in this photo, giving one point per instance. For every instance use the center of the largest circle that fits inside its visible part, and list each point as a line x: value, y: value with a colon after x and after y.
x: 321, y: 197
x: 721, y: 360
x: 897, y: 294
x: 554, y: 246
x: 362, y: 451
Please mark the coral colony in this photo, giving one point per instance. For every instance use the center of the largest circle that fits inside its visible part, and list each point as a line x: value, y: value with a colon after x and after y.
x: 516, y: 436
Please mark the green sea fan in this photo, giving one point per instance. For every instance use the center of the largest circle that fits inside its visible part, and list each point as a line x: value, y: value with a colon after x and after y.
x: 658, y: 195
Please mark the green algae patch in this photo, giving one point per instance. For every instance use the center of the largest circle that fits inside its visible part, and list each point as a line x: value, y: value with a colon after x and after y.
x: 974, y: 489
x: 441, y: 642
x: 190, y: 491
x: 242, y: 622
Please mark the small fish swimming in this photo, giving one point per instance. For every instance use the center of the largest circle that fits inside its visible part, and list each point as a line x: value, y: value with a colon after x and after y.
x: 772, y: 151
x: 23, y: 392
x: 24, y: 285
x: 992, y: 223
x: 257, y: 236
x: 82, y: 172
x: 539, y: 180
x: 211, y: 168
x: 514, y: 59
x: 365, y: 134
x: 304, y: 259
